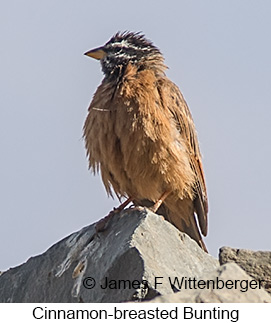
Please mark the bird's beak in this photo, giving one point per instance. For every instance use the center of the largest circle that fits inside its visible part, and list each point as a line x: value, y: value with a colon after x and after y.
x: 97, y: 53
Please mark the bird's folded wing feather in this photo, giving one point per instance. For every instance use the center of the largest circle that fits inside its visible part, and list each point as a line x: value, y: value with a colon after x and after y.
x: 173, y: 100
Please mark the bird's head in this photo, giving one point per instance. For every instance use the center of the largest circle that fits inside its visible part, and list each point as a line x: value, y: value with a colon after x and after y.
x: 124, y: 48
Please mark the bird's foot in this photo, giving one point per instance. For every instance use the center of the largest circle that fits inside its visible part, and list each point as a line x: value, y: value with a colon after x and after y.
x: 158, y: 203
x: 102, y: 224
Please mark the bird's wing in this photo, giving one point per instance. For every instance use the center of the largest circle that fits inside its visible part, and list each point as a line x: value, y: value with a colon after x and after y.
x: 173, y: 100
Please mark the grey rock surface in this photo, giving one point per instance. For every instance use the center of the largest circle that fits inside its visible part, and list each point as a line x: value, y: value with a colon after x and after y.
x: 256, y: 264
x: 136, y: 247
x: 228, y: 272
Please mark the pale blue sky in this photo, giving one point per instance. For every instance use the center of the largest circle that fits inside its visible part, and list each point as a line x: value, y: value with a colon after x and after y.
x: 218, y: 53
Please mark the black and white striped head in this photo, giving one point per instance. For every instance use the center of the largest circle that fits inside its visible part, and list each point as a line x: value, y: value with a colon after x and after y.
x: 128, y: 47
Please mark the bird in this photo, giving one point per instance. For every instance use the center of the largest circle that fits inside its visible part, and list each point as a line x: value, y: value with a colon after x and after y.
x: 140, y: 135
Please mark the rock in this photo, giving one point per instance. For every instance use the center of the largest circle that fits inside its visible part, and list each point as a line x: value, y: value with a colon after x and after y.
x: 136, y: 247
x: 139, y: 256
x: 256, y: 264
x: 228, y: 272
